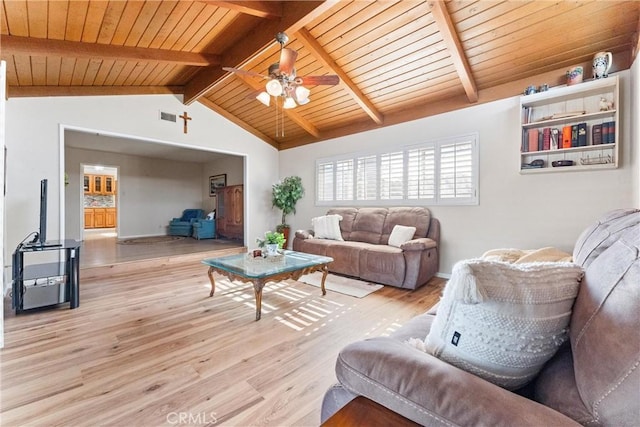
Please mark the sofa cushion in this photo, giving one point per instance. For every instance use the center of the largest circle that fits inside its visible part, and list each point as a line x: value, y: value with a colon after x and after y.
x: 432, y: 392
x: 346, y: 257
x: 503, y: 321
x: 327, y: 227
x: 417, y: 217
x: 383, y: 264
x: 604, y: 326
x: 368, y: 224
x: 348, y: 217
x: 556, y: 387
x: 401, y: 234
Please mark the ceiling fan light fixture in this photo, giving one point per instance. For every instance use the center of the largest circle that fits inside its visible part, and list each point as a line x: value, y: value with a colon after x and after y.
x: 274, y: 87
x: 302, y: 93
x: 289, y: 103
x: 264, y: 98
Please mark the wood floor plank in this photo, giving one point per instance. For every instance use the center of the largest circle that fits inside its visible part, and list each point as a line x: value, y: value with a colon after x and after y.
x: 145, y: 346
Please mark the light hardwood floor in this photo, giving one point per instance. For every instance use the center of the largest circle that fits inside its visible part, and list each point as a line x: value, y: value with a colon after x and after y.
x: 149, y: 348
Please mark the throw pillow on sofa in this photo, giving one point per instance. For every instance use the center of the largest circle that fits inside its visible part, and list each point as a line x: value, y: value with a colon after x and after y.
x: 401, y: 234
x: 503, y: 321
x: 327, y: 227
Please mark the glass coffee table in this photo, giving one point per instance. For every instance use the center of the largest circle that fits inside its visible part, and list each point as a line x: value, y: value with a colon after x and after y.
x: 288, y: 265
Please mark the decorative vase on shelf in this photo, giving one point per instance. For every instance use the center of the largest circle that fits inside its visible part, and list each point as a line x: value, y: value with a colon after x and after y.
x: 601, y: 64
x: 574, y: 75
x: 272, y: 249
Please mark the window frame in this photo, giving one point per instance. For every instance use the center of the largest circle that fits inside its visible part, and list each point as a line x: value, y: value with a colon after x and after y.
x: 437, y: 200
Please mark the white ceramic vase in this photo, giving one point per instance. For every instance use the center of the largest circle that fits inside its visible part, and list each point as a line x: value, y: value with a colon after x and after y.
x: 601, y: 64
x: 272, y: 249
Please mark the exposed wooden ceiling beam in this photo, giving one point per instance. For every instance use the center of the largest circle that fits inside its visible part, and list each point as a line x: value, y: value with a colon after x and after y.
x: 244, y: 125
x: 13, y: 45
x: 34, y: 91
x: 635, y: 42
x: 452, y: 41
x: 261, y: 9
x: 323, y: 57
x: 297, y: 118
x: 295, y: 16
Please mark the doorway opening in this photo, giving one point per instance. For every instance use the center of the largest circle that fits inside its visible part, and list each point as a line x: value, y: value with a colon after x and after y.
x: 99, y: 201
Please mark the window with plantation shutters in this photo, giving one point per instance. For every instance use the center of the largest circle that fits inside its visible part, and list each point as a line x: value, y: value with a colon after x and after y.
x: 456, y: 170
x: 441, y: 172
x: 421, y: 173
x: 324, y: 181
x: 392, y: 176
x: 344, y: 179
x: 367, y: 178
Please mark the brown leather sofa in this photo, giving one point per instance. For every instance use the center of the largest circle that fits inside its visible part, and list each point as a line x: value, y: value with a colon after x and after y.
x: 364, y: 253
x: 593, y: 380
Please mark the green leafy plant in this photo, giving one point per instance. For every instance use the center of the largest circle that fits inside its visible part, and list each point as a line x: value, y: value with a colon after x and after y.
x: 285, y: 196
x: 270, y: 238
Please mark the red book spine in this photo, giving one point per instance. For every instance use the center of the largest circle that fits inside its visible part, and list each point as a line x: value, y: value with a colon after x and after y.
x: 546, y: 139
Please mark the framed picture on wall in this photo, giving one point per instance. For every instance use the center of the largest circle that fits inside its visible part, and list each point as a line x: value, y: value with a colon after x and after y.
x: 215, y: 182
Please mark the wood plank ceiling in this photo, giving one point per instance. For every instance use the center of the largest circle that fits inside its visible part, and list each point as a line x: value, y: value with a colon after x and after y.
x: 397, y: 60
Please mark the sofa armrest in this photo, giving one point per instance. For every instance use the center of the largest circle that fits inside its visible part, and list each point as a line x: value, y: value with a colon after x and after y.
x: 429, y: 391
x: 304, y: 234
x: 418, y: 244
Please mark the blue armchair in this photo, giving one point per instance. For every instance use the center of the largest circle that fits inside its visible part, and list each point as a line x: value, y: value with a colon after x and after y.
x: 183, y: 226
x: 204, y: 229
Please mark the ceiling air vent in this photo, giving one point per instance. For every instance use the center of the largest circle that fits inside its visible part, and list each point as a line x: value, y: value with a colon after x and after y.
x: 167, y: 116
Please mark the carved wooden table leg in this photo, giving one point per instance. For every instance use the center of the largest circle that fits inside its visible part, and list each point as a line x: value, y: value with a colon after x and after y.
x: 212, y: 280
x: 257, y: 288
x: 325, y: 270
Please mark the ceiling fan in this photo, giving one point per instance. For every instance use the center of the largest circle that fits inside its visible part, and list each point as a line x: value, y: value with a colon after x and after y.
x: 283, y: 81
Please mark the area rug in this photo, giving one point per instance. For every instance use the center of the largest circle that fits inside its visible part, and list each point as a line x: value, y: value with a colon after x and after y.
x: 150, y: 240
x: 344, y: 285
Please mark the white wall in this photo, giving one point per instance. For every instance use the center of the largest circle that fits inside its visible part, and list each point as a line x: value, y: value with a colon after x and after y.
x: 33, y: 137
x: 3, y: 77
x: 635, y: 129
x: 232, y: 166
x: 517, y: 211
x: 150, y: 191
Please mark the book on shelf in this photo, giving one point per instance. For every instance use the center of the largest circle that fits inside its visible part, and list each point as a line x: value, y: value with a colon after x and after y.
x: 574, y: 135
x: 533, y: 140
x: 540, y: 141
x: 554, y: 143
x: 596, y: 134
x: 566, y: 137
x: 546, y: 138
x: 582, y: 134
x: 526, y: 114
x: 611, y: 133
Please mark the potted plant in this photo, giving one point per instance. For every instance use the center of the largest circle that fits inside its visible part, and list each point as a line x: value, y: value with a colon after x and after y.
x: 285, y: 195
x: 272, y: 241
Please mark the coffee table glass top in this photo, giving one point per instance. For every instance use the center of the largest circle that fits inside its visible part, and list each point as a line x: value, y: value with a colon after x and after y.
x: 241, y: 265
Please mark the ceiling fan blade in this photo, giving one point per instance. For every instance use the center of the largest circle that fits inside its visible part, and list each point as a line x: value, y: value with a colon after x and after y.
x: 330, y: 80
x: 246, y: 73
x: 287, y: 59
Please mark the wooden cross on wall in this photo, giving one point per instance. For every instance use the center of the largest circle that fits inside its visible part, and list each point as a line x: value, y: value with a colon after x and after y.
x: 185, y: 117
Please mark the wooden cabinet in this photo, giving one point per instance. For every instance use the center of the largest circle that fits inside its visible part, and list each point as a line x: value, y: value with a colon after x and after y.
x: 578, y: 110
x: 100, y: 217
x: 230, y: 212
x: 109, y: 184
x: 110, y: 217
x: 99, y: 184
x: 88, y: 218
